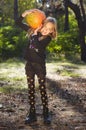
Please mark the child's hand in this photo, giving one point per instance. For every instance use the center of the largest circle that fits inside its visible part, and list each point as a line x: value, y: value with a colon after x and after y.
x: 37, y: 29
x: 28, y: 12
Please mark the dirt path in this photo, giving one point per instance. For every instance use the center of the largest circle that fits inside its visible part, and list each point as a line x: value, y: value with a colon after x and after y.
x: 67, y: 103
x: 67, y: 114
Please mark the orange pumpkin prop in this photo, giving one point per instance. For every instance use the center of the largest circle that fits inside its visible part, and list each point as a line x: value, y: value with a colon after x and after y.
x: 35, y: 18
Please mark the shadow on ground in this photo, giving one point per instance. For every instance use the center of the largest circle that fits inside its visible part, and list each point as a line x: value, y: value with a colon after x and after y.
x: 66, y: 101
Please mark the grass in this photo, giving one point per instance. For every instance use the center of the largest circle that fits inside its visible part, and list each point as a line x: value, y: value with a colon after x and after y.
x: 12, y: 73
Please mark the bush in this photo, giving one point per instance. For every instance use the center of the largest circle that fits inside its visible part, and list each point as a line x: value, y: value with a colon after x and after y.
x: 12, y: 42
x: 67, y: 42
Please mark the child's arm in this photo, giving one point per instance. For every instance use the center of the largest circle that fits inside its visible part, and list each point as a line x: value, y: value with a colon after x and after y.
x: 21, y: 24
x: 20, y: 19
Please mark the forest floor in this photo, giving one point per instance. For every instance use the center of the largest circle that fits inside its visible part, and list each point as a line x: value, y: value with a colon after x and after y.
x: 66, y: 88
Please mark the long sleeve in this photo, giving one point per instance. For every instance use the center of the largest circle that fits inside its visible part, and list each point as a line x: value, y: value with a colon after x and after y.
x: 21, y: 24
x: 35, y: 52
x: 40, y: 44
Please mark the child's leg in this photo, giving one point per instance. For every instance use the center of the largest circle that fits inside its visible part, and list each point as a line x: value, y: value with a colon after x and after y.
x: 43, y: 92
x: 42, y: 87
x: 31, y: 93
x: 31, y: 117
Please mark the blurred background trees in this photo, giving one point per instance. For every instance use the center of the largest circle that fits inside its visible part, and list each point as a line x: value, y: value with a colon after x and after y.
x: 71, y: 19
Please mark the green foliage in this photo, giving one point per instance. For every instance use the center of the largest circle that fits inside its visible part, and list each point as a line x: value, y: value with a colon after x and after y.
x: 72, y: 22
x: 12, y: 42
x: 25, y: 5
x: 67, y: 42
x: 7, y: 10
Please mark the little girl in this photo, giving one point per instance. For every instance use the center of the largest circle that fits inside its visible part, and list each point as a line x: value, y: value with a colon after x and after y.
x: 35, y: 65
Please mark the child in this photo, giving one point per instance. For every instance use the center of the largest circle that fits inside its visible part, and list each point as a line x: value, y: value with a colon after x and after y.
x: 35, y: 57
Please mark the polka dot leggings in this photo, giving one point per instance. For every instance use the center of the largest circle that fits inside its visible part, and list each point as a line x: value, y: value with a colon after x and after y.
x: 31, y: 92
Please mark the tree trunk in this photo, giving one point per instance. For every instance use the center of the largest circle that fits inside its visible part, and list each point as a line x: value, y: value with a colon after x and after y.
x: 15, y: 9
x: 81, y: 25
x: 83, y: 13
x: 66, y: 26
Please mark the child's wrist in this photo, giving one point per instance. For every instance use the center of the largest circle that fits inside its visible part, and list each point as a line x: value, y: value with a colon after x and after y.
x: 25, y: 13
x: 35, y: 33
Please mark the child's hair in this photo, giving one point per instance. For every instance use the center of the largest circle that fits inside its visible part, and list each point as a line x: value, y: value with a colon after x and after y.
x: 54, y: 22
x: 48, y: 19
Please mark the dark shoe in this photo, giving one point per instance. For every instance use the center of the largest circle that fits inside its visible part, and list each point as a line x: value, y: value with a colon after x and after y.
x: 31, y: 118
x: 47, y: 117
